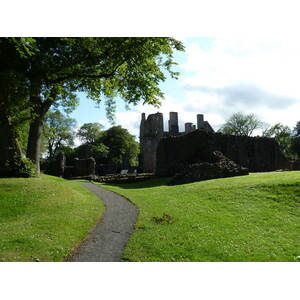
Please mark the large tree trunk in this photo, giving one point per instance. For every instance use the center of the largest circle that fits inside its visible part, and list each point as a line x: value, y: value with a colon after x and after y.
x: 34, y: 141
x: 38, y: 111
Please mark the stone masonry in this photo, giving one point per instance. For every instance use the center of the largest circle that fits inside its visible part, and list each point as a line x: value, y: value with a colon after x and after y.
x: 152, y: 130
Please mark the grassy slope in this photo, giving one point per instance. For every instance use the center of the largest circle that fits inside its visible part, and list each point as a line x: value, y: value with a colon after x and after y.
x: 43, y: 219
x: 249, y: 218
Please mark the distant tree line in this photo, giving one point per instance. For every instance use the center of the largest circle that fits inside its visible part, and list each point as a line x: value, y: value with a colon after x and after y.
x: 112, y: 146
x: 246, y: 124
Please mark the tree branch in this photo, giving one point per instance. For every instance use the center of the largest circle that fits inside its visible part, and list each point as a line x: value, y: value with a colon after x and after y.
x: 81, y: 75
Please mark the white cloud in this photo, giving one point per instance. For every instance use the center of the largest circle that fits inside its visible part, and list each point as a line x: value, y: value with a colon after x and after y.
x: 271, y: 65
x: 225, y: 77
x: 245, y: 94
x: 77, y: 141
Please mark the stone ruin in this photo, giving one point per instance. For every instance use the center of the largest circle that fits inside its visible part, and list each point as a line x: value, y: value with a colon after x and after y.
x: 198, y: 154
x: 79, y: 168
x: 152, y: 131
x: 216, y: 165
x: 257, y: 154
x: 86, y: 167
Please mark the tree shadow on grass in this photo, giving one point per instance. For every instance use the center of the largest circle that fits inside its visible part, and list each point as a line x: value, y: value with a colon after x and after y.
x: 149, y: 183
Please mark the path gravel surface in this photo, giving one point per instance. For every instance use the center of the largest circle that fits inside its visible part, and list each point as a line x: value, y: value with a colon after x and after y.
x: 106, y: 242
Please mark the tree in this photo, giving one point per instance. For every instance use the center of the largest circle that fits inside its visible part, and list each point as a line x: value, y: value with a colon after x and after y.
x: 13, y: 101
x: 295, y: 142
x: 283, y: 136
x: 240, y: 124
x: 97, y: 150
x: 114, y: 146
x: 297, y: 129
x: 58, y: 131
x: 295, y: 145
x: 123, y: 149
x: 52, y: 70
x: 90, y: 132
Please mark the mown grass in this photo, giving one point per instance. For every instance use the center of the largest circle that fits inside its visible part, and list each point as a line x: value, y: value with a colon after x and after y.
x: 43, y: 219
x: 248, y: 218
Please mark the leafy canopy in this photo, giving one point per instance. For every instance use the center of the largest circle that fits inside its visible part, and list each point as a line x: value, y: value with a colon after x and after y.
x: 241, y: 124
x: 97, y: 150
x: 39, y: 73
x: 90, y: 132
x: 58, y: 131
x: 123, y: 149
x: 114, y: 146
x: 283, y: 136
x: 104, y: 68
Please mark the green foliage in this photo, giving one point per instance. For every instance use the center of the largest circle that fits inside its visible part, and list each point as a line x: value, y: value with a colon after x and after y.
x: 24, y: 46
x: 37, y: 73
x: 113, y: 146
x: 43, y: 219
x: 58, y: 130
x: 295, y: 145
x: 20, y: 168
x: 26, y: 169
x: 69, y: 153
x: 23, y: 130
x: 248, y: 218
x: 98, y: 151
x: 90, y: 132
x: 14, y: 102
x: 297, y: 129
x: 283, y: 136
x: 241, y: 124
x: 295, y: 142
x: 104, y: 68
x: 15, y: 89
x: 137, y: 66
x: 14, y: 106
x: 123, y: 149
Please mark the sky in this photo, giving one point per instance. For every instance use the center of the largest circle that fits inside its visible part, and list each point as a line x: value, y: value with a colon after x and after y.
x: 219, y: 77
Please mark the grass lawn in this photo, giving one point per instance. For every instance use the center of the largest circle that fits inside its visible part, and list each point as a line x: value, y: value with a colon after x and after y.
x: 43, y: 219
x: 248, y: 218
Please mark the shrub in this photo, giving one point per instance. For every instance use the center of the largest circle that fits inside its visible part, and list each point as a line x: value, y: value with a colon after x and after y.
x: 26, y: 168
x: 19, y: 168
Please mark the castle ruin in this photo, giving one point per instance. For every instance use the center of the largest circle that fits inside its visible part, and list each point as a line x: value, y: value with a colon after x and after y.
x: 152, y: 130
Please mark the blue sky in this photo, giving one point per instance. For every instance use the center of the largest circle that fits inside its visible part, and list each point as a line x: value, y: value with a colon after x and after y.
x: 221, y: 76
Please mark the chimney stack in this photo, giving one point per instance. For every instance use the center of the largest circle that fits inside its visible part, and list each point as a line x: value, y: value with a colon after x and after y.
x: 173, y: 123
x: 188, y: 127
x: 200, y: 121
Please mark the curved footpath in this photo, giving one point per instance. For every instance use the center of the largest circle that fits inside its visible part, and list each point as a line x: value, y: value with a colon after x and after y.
x: 107, y: 240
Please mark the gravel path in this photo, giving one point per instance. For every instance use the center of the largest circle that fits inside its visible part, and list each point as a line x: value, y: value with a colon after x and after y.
x: 107, y: 240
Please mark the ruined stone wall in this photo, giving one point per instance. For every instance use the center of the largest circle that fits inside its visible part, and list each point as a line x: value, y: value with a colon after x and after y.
x: 79, y: 168
x: 84, y: 167
x: 152, y: 130
x: 55, y: 167
x: 258, y: 154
